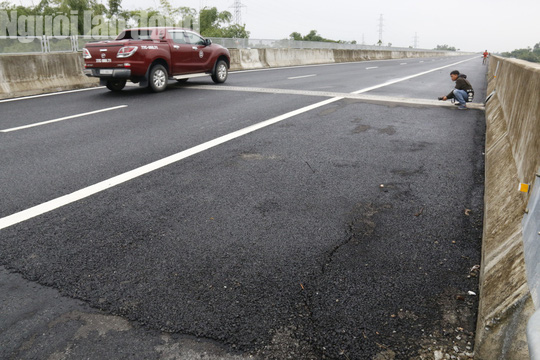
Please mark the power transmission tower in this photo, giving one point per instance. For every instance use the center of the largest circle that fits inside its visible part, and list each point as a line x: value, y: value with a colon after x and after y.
x: 416, y: 40
x: 381, y: 25
x: 238, y: 11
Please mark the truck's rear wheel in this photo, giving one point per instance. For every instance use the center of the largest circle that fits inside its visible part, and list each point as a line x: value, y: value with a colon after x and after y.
x: 221, y: 72
x: 116, y: 85
x: 158, y: 78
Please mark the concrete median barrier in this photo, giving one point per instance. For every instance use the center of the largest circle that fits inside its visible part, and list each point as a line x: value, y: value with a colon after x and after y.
x: 247, y: 59
x: 512, y: 157
x: 32, y: 74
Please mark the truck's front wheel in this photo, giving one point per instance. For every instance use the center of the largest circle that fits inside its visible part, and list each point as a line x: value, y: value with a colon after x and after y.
x: 158, y: 78
x: 116, y: 85
x: 221, y: 72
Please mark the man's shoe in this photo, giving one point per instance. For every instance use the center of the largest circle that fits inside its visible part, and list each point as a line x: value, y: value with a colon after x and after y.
x: 462, y: 107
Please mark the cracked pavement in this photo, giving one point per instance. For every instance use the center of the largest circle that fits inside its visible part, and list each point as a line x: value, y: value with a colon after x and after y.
x: 281, y: 244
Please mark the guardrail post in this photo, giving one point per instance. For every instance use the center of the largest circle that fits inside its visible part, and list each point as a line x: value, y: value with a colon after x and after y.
x: 74, y: 43
x: 43, y: 43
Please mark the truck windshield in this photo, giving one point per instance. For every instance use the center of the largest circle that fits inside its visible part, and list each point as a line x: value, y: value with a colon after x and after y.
x: 135, y: 35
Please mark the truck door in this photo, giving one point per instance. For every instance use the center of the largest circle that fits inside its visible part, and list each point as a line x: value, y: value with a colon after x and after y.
x: 201, y: 54
x: 181, y: 53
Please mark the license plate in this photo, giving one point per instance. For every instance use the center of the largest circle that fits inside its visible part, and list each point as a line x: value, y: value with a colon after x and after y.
x: 106, y: 72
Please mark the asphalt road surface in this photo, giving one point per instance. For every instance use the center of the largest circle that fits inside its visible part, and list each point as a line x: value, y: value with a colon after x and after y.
x: 274, y: 217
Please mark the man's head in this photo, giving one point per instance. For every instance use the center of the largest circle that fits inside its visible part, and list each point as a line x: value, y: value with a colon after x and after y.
x: 454, y: 75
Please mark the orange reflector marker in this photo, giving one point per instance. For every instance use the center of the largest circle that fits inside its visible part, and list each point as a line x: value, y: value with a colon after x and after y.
x: 524, y: 187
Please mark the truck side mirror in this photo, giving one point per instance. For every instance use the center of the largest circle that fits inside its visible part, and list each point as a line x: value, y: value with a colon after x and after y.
x: 207, y: 42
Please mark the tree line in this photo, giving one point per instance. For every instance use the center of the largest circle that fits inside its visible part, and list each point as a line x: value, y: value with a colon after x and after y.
x: 532, y: 55
x: 113, y: 18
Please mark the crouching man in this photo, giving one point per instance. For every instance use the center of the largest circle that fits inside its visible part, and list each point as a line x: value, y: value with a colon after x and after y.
x: 460, y: 92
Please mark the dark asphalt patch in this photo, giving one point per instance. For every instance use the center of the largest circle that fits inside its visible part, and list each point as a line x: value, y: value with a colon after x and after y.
x: 283, y: 243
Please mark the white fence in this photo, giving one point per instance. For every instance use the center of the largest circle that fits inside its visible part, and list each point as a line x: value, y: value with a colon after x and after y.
x: 47, y: 44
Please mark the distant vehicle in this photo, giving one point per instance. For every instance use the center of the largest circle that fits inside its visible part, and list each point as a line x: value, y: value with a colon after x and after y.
x: 152, y: 56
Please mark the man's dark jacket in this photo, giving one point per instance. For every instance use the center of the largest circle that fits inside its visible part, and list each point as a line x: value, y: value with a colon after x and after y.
x: 461, y: 84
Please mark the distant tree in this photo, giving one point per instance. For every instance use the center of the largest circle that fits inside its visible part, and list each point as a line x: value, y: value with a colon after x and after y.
x: 214, y: 23
x: 296, y: 36
x: 312, y: 36
x: 532, y: 55
x: 114, y: 7
x: 235, y: 31
x: 445, y: 48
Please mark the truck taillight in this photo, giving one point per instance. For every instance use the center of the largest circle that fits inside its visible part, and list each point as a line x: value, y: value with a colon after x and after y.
x: 126, y: 51
x: 86, y: 54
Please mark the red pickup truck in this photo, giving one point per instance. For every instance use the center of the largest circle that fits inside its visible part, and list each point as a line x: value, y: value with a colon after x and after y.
x: 152, y: 56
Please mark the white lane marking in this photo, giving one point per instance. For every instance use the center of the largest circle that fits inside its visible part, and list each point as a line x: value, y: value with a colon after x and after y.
x: 62, y: 119
x: 54, y: 204
x: 421, y: 61
x: 51, y: 94
x: 122, y: 178
x: 372, y: 67
x: 403, y: 64
x: 301, y: 77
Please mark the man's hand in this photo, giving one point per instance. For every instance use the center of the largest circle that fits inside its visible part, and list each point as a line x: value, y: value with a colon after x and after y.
x: 444, y: 98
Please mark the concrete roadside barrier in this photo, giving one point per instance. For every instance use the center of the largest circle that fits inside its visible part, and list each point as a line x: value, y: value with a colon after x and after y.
x: 31, y: 74
x: 247, y: 59
x: 512, y: 157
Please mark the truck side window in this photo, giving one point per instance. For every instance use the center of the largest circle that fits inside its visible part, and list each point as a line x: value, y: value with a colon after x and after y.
x: 194, y: 39
x: 178, y: 37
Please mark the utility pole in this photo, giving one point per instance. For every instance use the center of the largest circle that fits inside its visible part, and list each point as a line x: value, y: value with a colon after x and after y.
x: 381, y: 25
x: 238, y: 11
x: 363, y: 40
x: 416, y: 40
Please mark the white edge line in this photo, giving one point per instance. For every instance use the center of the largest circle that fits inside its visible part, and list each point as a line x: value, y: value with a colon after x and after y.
x: 117, y: 180
x: 301, y: 77
x: 51, y: 94
x: 372, y: 67
x: 62, y: 119
x: 48, y: 206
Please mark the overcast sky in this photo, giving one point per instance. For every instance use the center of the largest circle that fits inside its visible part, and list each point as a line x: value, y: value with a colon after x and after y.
x: 474, y: 25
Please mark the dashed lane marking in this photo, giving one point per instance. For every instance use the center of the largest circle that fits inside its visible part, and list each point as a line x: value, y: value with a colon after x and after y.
x: 301, y: 77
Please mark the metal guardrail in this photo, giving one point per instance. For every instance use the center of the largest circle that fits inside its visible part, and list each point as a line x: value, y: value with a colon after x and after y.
x: 294, y: 44
x: 45, y: 44
x: 48, y: 44
x: 531, y: 243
